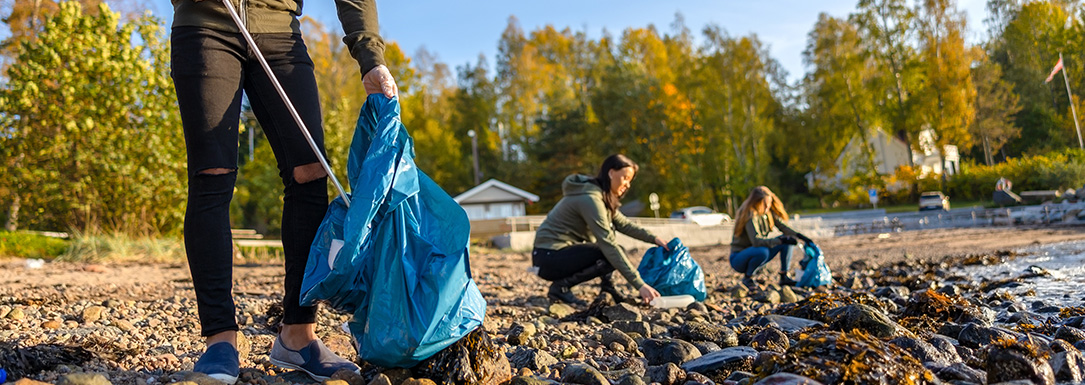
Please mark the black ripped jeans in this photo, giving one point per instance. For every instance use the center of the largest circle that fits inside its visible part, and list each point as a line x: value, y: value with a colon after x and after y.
x: 211, y: 69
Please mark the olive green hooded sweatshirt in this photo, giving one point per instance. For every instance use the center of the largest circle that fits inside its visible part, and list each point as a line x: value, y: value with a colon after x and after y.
x: 582, y: 217
x: 359, y: 19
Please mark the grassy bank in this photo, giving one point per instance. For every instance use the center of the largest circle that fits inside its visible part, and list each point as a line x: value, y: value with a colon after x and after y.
x: 115, y: 247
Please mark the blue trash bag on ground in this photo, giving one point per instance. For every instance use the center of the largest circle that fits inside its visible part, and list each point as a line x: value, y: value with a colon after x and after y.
x: 672, y: 272
x: 815, y: 271
x: 397, y: 258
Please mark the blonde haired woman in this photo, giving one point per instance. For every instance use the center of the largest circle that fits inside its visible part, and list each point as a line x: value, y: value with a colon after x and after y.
x: 751, y: 246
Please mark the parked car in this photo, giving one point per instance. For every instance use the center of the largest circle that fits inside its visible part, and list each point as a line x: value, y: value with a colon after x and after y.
x: 933, y: 200
x: 700, y: 215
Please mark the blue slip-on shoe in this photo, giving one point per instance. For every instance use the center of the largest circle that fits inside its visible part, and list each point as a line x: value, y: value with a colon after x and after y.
x: 314, y: 359
x: 220, y: 362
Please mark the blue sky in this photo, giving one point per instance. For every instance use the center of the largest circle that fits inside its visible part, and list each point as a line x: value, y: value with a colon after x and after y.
x: 458, y: 31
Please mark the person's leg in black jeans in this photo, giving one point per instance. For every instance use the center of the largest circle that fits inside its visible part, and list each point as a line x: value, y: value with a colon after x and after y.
x: 305, y: 196
x: 571, y: 266
x: 207, y: 74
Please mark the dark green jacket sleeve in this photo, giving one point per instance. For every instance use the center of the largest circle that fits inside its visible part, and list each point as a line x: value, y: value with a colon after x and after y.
x: 359, y: 19
x: 758, y: 236
x: 787, y: 230
x: 601, y: 226
x: 624, y: 226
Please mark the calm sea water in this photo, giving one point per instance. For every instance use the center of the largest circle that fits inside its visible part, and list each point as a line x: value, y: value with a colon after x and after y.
x: 1064, y: 287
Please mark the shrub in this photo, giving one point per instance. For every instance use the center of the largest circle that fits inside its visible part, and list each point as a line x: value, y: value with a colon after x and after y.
x: 22, y: 244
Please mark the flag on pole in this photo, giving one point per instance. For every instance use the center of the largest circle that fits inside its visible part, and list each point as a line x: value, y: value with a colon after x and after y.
x: 1058, y: 66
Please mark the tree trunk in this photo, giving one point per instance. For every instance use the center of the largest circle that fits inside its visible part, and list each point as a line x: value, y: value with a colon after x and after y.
x: 12, y: 223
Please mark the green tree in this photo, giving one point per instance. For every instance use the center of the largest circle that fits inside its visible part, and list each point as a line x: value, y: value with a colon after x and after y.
x: 92, y: 135
x: 888, y: 25
x: 842, y: 99
x: 995, y: 106
x: 947, y: 105
x: 1029, y: 47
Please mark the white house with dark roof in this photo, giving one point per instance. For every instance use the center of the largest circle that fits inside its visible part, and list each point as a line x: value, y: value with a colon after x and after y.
x: 495, y: 199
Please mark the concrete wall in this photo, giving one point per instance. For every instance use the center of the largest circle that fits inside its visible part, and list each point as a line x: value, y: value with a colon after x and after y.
x: 691, y: 235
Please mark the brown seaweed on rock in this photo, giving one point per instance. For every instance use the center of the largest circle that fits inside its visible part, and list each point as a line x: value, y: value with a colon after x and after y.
x: 816, y: 306
x: 849, y: 358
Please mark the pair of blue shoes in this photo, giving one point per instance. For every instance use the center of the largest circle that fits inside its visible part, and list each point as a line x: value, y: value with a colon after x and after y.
x: 220, y: 361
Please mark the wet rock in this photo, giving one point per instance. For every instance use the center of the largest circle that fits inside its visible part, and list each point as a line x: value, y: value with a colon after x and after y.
x: 473, y: 360
x: 532, y: 380
x: 666, y: 374
x: 701, y: 331
x: 660, y: 351
x: 580, y: 373
x: 976, y: 336
x: 926, y: 352
x: 641, y: 328
x: 787, y: 379
x: 1070, y: 334
x: 962, y: 372
x: 771, y: 339
x: 723, y: 362
x: 622, y: 312
x: 84, y: 379
x: 739, y: 375
x: 787, y: 324
x: 531, y: 358
x: 706, y: 347
x: 520, y: 333
x: 866, y: 318
x: 1009, y: 361
x: 832, y: 357
x: 560, y: 310
x: 611, y: 335
x: 694, y: 378
x: 1068, y: 366
x: 1061, y: 346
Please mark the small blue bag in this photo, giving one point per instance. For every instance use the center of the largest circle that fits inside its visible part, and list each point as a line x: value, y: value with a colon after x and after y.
x: 815, y: 271
x: 397, y: 258
x: 672, y: 272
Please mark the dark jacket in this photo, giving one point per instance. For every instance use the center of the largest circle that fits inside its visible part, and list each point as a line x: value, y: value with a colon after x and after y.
x: 581, y: 217
x: 757, y: 233
x: 358, y: 17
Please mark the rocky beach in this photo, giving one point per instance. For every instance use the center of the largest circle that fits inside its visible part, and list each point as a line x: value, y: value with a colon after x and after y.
x: 901, y: 313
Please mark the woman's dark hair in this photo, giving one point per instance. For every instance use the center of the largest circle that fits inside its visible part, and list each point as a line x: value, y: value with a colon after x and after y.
x: 613, y: 162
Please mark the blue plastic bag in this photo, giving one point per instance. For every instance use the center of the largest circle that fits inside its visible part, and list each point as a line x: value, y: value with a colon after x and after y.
x: 815, y: 271
x: 672, y: 272
x: 397, y: 258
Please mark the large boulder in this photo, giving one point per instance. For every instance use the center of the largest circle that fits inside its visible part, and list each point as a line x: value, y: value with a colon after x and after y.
x: 661, y: 351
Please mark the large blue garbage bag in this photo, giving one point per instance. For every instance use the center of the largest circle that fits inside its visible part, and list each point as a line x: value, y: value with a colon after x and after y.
x: 397, y: 258
x: 815, y: 271
x: 672, y: 272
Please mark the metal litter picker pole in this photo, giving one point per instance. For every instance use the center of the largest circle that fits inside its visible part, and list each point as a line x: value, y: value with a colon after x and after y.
x: 286, y: 99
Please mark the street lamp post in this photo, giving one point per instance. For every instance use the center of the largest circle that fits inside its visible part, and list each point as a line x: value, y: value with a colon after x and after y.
x: 474, y: 153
